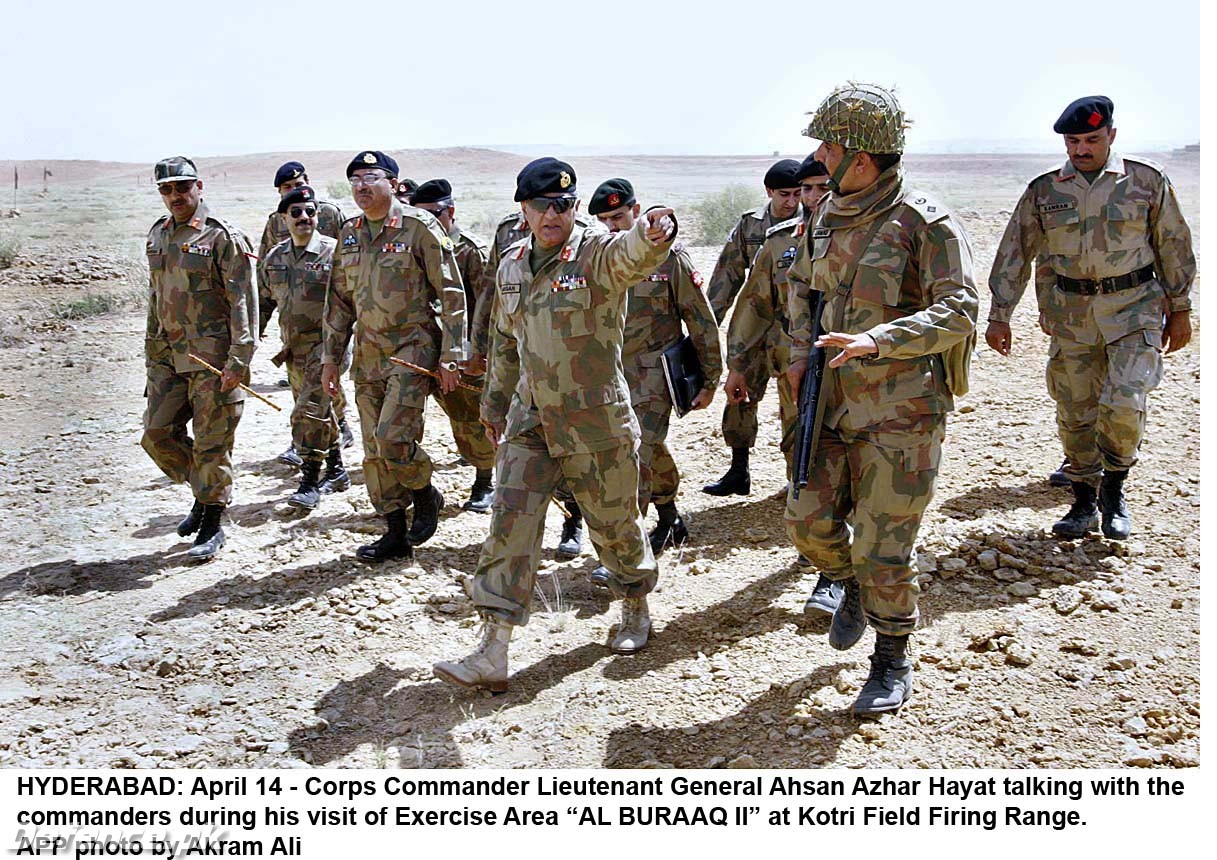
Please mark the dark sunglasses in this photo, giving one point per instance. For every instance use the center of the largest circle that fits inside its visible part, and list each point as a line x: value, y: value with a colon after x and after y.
x: 542, y: 204
x: 297, y: 211
x: 181, y: 187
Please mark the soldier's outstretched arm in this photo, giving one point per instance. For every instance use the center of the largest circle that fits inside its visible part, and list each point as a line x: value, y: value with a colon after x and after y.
x: 623, y: 259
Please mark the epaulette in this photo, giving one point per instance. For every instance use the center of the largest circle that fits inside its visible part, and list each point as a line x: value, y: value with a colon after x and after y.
x: 353, y: 221
x: 788, y: 224
x: 925, y: 206
x: 475, y: 240
x: 510, y: 216
x: 757, y: 212
x: 160, y: 222
x: 1052, y: 172
x: 518, y: 247
x: 1152, y: 165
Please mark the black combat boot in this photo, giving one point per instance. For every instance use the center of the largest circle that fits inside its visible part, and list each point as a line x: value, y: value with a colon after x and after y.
x: 890, y: 682
x: 336, y: 479
x: 1083, y: 515
x: 345, y: 437
x: 825, y: 597
x: 1117, y: 522
x: 308, y: 495
x: 481, y: 494
x: 290, y: 457
x: 670, y: 529
x: 1059, y: 478
x: 737, y: 481
x: 848, y: 621
x: 394, y: 544
x: 190, y: 525
x: 427, y: 504
x: 572, y: 532
x: 210, y: 537
x: 600, y: 577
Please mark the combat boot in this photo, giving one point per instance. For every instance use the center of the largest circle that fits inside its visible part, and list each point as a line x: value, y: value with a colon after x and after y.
x: 671, y: 528
x: 427, y: 504
x: 486, y: 667
x: 308, y: 495
x: 825, y: 597
x: 848, y: 621
x: 635, y: 627
x: 481, y: 494
x: 190, y: 525
x: 1117, y: 522
x: 1083, y: 515
x: 290, y: 457
x: 890, y: 682
x: 1059, y: 478
x: 600, y: 576
x: 572, y: 532
x: 336, y: 479
x: 737, y: 480
x: 394, y: 544
x: 345, y: 437
x: 210, y: 537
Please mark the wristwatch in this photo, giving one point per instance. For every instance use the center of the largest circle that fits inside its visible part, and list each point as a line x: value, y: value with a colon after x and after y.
x: 449, y: 366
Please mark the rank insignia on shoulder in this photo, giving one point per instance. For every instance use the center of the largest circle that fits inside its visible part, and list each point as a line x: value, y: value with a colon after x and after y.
x: 566, y: 283
x: 509, y: 289
x: 1056, y: 207
x: 801, y: 229
x: 697, y: 279
x: 568, y: 254
x: 821, y: 233
x: 348, y: 241
x: 394, y: 248
x: 196, y: 249
x: 657, y: 278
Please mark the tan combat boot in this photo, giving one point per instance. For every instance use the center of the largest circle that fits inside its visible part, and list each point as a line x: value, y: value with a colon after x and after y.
x: 485, y: 668
x: 635, y: 626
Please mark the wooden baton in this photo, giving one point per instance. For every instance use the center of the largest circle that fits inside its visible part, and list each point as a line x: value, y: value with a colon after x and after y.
x: 240, y: 385
x: 432, y: 373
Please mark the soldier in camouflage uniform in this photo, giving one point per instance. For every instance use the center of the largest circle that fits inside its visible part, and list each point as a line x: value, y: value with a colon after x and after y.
x: 557, y: 403
x: 201, y: 300
x: 655, y: 311
x: 289, y: 176
x: 759, y: 332
x: 895, y: 270
x: 397, y: 276
x: 730, y: 272
x: 297, y: 274
x: 1110, y: 233
x: 511, y: 229
x: 461, y: 404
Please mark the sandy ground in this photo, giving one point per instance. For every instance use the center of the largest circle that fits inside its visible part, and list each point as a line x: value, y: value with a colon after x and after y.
x: 285, y: 651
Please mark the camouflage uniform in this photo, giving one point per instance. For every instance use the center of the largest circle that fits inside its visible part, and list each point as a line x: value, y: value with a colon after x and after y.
x: 461, y: 404
x: 880, y: 439
x: 329, y: 222
x: 404, y: 289
x: 201, y: 300
x: 1105, y: 354
x: 297, y: 286
x: 759, y: 332
x: 730, y: 272
x: 557, y: 384
x: 654, y: 312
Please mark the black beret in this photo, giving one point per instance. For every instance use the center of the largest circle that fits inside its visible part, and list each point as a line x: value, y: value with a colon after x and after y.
x: 544, y: 176
x: 809, y: 168
x: 372, y: 158
x: 612, y: 194
x: 433, y: 191
x: 781, y: 175
x: 303, y: 194
x: 287, y: 172
x: 1085, y: 115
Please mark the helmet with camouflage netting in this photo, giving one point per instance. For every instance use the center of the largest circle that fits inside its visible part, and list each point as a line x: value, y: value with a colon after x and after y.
x: 861, y: 117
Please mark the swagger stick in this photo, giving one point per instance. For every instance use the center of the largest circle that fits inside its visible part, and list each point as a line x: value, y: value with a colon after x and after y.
x: 240, y: 385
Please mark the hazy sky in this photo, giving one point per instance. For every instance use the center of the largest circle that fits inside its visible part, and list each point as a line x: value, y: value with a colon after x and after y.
x: 133, y: 80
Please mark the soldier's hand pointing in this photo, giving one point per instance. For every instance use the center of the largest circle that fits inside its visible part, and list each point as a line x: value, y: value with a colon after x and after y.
x: 660, y: 225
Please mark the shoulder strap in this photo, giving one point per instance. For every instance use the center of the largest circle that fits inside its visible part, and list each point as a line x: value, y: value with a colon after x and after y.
x: 847, y: 277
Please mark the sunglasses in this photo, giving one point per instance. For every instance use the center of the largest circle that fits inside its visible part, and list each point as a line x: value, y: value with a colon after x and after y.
x: 181, y: 187
x: 297, y: 211
x: 543, y: 204
x: 368, y: 179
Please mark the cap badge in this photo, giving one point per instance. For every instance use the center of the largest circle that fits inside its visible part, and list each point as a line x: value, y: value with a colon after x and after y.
x: 369, y: 158
x: 614, y: 200
x: 564, y: 179
x: 1094, y: 119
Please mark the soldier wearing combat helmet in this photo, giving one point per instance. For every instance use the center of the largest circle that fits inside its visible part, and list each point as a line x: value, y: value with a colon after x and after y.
x: 899, y: 304
x: 1118, y: 257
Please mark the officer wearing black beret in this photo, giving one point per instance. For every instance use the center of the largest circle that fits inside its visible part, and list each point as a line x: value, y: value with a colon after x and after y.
x: 1085, y: 115
x: 290, y: 172
x: 438, y: 191
x: 303, y: 194
x: 545, y: 176
x: 405, y: 189
x: 611, y: 194
x: 781, y: 175
x: 372, y: 159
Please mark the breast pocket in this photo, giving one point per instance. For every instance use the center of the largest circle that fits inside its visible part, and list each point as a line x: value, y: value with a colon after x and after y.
x: 1063, y: 232
x: 156, y: 261
x: 879, y: 279
x: 572, y: 312
x: 1127, y: 224
x: 276, y: 274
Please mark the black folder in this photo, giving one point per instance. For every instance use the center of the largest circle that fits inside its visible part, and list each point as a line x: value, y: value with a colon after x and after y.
x: 684, y: 375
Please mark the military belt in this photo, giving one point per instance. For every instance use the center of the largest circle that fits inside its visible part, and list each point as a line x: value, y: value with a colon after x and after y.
x: 1104, y: 285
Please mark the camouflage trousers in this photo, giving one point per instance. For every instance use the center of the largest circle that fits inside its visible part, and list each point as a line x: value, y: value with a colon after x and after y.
x: 174, y: 399
x: 316, y: 415
x: 658, y: 478
x: 461, y: 407
x: 739, y: 419
x: 788, y: 414
x: 1101, y: 391
x: 859, y: 514
x: 391, y: 421
x: 604, y: 483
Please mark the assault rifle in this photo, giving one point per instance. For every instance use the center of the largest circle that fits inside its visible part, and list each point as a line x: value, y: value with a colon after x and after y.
x: 809, y: 400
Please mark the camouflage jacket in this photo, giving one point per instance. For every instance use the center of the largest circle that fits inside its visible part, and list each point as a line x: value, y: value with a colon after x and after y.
x: 476, y: 274
x: 201, y: 291
x: 555, y: 359
x: 1127, y: 220
x: 653, y: 323
x: 298, y: 285
x: 329, y: 222
x: 734, y: 260
x: 512, y: 228
x: 913, y: 292
x: 760, y: 321
x: 404, y: 289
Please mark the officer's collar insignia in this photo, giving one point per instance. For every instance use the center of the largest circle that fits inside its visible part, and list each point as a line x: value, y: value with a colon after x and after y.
x: 568, y: 254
